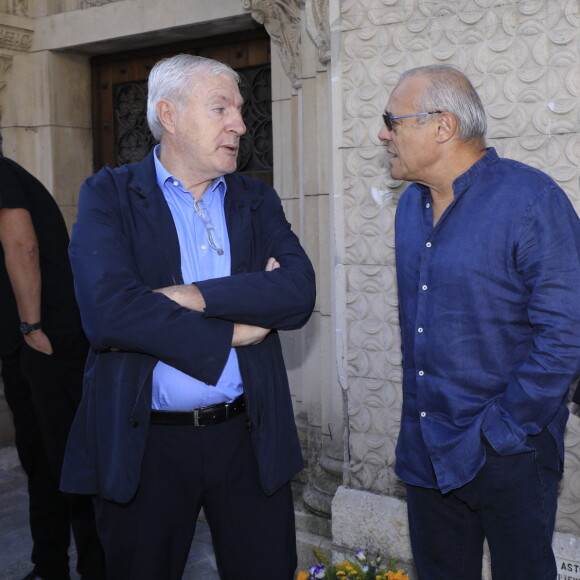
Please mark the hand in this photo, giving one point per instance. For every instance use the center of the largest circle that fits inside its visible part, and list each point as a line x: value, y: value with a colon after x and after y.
x: 247, y: 335
x: 272, y: 264
x: 38, y: 341
x: 186, y: 295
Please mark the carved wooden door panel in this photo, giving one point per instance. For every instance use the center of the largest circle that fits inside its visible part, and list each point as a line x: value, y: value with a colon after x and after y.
x: 119, y: 88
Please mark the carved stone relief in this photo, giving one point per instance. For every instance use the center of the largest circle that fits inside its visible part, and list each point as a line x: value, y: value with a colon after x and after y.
x: 15, y: 39
x: 523, y: 59
x: 16, y: 7
x: 318, y: 27
x: 281, y: 18
x: 12, y: 40
x: 283, y: 21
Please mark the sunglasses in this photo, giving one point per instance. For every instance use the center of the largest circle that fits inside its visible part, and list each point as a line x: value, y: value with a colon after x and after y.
x: 388, y: 118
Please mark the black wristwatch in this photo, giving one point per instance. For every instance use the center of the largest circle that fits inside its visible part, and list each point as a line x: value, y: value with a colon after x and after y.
x: 26, y: 327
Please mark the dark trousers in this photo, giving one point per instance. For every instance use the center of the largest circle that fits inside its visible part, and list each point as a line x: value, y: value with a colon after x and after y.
x: 56, y: 388
x: 48, y: 509
x: 511, y: 502
x: 184, y: 469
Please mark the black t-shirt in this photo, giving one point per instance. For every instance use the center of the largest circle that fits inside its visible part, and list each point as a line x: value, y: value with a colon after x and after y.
x: 59, y: 312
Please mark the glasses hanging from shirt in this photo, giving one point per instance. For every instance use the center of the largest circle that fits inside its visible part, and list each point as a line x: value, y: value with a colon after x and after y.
x: 212, y: 235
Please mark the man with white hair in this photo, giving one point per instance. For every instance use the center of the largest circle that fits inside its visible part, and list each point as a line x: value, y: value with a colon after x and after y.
x: 181, y: 270
x: 488, y: 268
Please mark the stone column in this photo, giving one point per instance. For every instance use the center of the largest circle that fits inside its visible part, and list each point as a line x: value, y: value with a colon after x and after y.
x: 46, y: 122
x: 303, y: 152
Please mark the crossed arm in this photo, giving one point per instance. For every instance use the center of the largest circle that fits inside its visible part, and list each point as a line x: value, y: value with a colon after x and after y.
x: 189, y: 296
x: 117, y: 263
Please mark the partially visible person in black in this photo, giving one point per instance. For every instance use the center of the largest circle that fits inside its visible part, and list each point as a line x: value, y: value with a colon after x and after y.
x: 43, y: 351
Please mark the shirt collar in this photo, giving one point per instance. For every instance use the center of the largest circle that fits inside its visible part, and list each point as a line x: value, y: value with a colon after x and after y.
x: 218, y: 184
x: 464, y: 181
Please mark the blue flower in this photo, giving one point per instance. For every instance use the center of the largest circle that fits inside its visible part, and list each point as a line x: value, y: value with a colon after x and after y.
x: 317, y: 571
x: 361, y: 555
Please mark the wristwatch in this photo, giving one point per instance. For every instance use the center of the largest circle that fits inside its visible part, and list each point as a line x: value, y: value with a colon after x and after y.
x: 26, y: 327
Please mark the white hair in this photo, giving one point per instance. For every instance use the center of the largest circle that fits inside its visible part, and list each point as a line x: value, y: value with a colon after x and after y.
x: 450, y: 90
x: 170, y: 79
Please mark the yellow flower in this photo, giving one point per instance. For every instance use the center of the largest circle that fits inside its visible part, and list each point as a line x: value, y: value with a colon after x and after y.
x: 302, y: 576
x: 398, y: 575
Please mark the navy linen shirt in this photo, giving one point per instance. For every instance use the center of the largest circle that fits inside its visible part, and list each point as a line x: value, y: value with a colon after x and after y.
x: 490, y: 319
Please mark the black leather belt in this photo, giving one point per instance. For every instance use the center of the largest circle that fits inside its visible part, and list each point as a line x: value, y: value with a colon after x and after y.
x: 202, y: 417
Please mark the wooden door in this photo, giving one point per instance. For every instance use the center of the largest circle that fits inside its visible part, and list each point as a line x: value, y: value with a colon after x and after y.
x: 119, y: 90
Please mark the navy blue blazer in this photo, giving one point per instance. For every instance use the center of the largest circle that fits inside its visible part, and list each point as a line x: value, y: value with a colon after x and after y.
x: 123, y: 245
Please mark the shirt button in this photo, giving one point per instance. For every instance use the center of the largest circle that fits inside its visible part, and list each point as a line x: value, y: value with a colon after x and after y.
x: 428, y: 244
x: 424, y: 287
x: 427, y: 205
x: 423, y: 414
x: 421, y: 373
x: 176, y: 183
x: 203, y: 247
x: 419, y: 330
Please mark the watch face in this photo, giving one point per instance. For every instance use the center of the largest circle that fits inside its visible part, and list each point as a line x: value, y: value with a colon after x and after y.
x: 26, y: 328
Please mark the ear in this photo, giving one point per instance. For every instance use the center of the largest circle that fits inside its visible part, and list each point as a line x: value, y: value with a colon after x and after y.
x: 167, y: 113
x: 447, y: 127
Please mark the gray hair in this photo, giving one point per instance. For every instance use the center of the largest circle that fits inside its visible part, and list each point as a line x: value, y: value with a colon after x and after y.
x: 450, y: 90
x: 170, y: 79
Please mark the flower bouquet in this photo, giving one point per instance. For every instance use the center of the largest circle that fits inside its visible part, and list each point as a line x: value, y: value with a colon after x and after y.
x: 363, y: 568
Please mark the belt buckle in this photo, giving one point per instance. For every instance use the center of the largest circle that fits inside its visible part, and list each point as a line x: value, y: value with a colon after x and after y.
x: 196, y: 417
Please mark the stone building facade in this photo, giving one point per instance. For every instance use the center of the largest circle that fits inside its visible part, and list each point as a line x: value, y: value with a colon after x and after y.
x: 333, y: 65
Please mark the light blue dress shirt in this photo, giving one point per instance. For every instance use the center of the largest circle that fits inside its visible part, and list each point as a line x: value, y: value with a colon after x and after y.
x: 172, y: 389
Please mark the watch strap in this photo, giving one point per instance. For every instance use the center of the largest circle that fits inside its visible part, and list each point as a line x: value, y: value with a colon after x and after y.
x: 26, y: 327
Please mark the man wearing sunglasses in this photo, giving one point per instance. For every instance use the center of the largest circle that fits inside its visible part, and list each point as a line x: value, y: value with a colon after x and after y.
x: 488, y: 268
